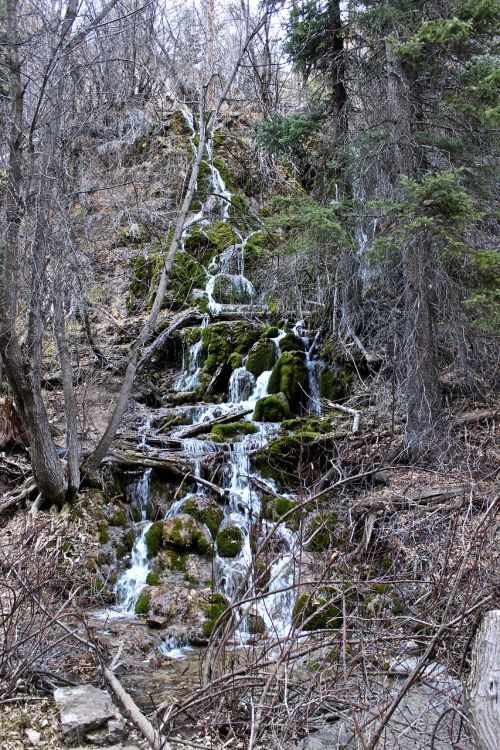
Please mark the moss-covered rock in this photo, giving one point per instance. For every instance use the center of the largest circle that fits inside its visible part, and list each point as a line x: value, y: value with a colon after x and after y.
x: 185, y: 533
x: 205, y: 510
x: 221, y: 235
x: 142, y: 603
x: 221, y: 433
x: 272, y: 409
x: 321, y: 532
x: 271, y: 333
x: 229, y: 541
x: 154, y: 538
x: 186, y: 274
x: 289, y: 376
x: 103, y: 530
x: 334, y: 384
x: 317, y: 612
x: 292, y: 459
x: 152, y: 579
x: 275, y: 508
x: 235, y: 360
x: 221, y: 340
x: 310, y: 425
x: 216, y: 607
x: 261, y: 357
x: 291, y: 343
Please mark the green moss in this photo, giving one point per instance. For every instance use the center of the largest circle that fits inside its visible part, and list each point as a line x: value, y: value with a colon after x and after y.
x: 316, y: 612
x: 221, y: 433
x: 221, y: 340
x: 118, y: 519
x: 229, y: 541
x: 274, y: 508
x: 154, y: 538
x: 271, y: 409
x: 153, y: 579
x: 142, y: 603
x: 215, y: 609
x: 323, y: 528
x: 291, y: 343
x: 186, y: 274
x: 221, y: 235
x: 103, y: 532
x: 271, y: 333
x: 289, y: 376
x: 173, y: 560
x: 310, y: 425
x: 184, y: 533
x: 206, y: 511
x: 235, y: 360
x: 139, y: 276
x: 334, y: 385
x: 128, y: 540
x: 261, y: 357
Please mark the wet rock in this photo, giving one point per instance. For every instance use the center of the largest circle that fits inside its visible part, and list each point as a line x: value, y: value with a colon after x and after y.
x: 179, y: 605
x: 229, y: 541
x: 272, y: 409
x: 85, y: 708
x: 261, y: 357
x: 256, y: 624
x: 157, y: 623
x: 185, y: 533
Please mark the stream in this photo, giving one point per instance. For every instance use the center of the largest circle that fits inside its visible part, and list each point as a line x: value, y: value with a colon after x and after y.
x: 243, y: 506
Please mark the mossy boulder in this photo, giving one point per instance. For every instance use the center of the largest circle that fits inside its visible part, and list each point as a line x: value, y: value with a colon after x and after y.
x: 272, y: 409
x: 187, y: 274
x: 152, y: 579
x: 261, y: 357
x: 154, y: 538
x: 221, y: 433
x: 333, y: 384
x: 221, y: 340
x: 291, y: 459
x: 275, y: 508
x: 271, y: 333
x: 183, y: 532
x: 229, y: 541
x: 231, y: 290
x: 317, y: 612
x: 222, y: 235
x: 216, y: 607
x: 205, y: 510
x: 143, y: 602
x: 235, y: 360
x: 322, y: 532
x: 289, y: 376
x: 291, y: 343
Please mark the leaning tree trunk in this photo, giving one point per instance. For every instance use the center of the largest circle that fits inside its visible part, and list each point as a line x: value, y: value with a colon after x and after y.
x: 482, y: 695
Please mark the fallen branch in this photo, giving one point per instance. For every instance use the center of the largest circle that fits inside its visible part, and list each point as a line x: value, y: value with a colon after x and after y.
x: 475, y: 416
x: 191, y: 317
x: 28, y: 486
x: 197, y: 429
x: 143, y: 724
x: 347, y: 410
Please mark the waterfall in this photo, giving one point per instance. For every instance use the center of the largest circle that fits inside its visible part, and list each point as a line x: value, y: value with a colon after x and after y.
x: 133, y: 580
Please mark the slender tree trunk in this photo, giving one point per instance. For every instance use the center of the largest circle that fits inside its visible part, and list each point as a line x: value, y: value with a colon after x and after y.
x: 24, y: 381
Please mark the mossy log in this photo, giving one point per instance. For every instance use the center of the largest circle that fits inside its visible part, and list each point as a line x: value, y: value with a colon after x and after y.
x: 198, y: 429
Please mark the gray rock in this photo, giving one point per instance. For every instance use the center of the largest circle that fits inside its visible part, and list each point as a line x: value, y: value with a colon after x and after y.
x: 33, y: 736
x: 84, y: 709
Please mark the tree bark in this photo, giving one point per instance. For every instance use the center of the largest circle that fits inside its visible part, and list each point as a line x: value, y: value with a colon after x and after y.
x: 482, y: 696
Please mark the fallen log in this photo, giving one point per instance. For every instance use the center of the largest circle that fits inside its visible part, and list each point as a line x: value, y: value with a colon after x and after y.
x: 197, y: 429
x: 171, y: 465
x: 347, y: 410
x: 155, y: 739
x: 480, y: 415
x: 482, y: 698
x: 190, y: 317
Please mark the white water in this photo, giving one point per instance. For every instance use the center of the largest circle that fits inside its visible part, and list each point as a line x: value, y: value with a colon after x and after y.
x: 243, y: 506
x: 133, y: 580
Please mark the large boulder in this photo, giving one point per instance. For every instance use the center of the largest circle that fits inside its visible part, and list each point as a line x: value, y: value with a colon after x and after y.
x: 229, y: 541
x: 272, y: 409
x: 84, y: 709
x: 289, y: 376
x: 261, y: 357
x: 183, y: 532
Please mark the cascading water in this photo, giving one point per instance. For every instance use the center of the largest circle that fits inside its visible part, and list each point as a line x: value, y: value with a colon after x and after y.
x: 243, y: 507
x: 133, y: 580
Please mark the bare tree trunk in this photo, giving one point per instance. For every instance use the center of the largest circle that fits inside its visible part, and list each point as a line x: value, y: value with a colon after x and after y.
x: 72, y: 441
x: 482, y: 698
x: 24, y: 379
